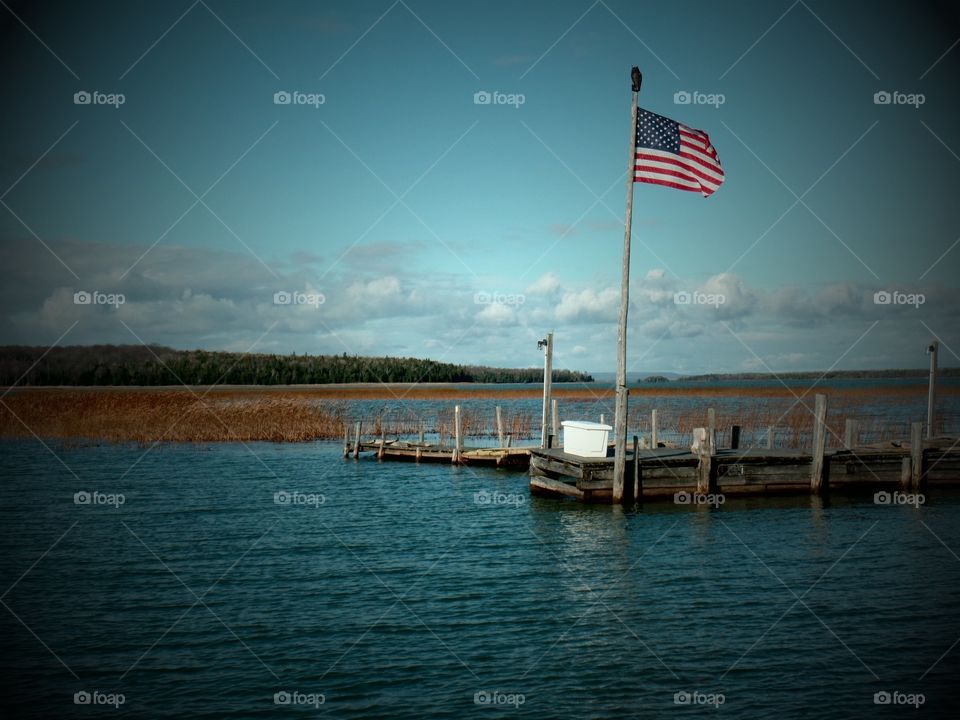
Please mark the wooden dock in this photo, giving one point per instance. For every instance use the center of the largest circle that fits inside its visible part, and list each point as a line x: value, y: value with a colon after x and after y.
x: 663, y: 472
x: 511, y: 457
x: 503, y: 455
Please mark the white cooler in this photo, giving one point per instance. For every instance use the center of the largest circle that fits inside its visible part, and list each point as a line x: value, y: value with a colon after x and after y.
x: 586, y: 439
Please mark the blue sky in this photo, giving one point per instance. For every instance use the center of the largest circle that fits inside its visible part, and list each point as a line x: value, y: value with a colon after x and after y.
x: 436, y: 227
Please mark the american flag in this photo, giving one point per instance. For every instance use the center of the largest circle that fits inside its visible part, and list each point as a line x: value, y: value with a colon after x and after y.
x: 675, y: 155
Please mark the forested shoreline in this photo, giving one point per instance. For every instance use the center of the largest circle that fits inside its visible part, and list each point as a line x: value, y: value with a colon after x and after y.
x: 129, y: 365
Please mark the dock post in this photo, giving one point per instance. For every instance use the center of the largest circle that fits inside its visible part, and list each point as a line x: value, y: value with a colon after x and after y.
x: 770, y: 437
x: 356, y: 441
x: 622, y: 392
x: 933, y: 349
x: 383, y: 441
x: 636, y: 468
x: 735, y: 437
x: 712, y: 426
x: 346, y: 441
x: 458, y: 440
x: 555, y: 417
x: 654, y: 441
x: 499, y: 427
x: 420, y: 437
x: 704, y: 459
x: 906, y: 472
x: 547, y: 387
x: 916, y: 456
x: 817, y: 474
x: 849, y: 433
x: 601, y: 418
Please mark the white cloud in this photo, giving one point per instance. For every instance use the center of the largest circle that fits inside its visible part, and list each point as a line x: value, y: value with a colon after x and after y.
x: 546, y: 284
x: 589, y: 305
x: 496, y: 314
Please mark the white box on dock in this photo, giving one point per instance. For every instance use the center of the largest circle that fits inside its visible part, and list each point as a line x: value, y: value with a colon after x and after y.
x: 586, y: 439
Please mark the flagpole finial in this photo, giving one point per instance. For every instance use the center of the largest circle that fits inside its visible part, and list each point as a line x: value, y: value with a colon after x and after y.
x: 636, y: 77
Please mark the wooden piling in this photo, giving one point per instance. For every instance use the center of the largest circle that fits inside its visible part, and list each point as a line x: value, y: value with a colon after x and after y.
x: 703, y: 440
x: 818, y: 473
x: 712, y: 426
x: 547, y: 385
x: 555, y: 421
x: 654, y: 441
x: 420, y: 437
x: 735, y: 437
x: 933, y: 349
x: 346, y: 441
x: 383, y: 441
x: 499, y: 427
x: 916, y: 456
x: 621, y: 392
x: 356, y: 441
x: 770, y: 437
x: 849, y: 433
x: 458, y: 438
x: 636, y: 468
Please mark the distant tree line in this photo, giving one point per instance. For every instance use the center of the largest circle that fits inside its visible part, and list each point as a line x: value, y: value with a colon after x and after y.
x: 813, y: 375
x: 157, y: 365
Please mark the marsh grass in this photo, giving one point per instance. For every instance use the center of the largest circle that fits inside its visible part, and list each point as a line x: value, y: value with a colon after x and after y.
x: 299, y: 414
x: 145, y: 416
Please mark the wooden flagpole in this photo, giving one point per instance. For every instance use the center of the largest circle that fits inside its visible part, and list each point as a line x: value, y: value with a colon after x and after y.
x: 620, y: 413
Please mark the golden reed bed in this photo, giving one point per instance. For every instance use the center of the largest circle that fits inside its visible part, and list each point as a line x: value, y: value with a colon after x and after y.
x: 297, y: 414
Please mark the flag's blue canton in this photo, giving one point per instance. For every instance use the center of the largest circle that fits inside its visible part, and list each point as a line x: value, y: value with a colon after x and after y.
x: 657, y: 132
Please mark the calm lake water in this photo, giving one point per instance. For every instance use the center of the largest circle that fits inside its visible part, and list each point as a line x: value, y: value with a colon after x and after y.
x: 391, y: 590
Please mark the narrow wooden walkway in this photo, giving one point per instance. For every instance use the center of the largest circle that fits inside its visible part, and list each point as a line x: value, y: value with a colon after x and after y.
x: 512, y: 457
